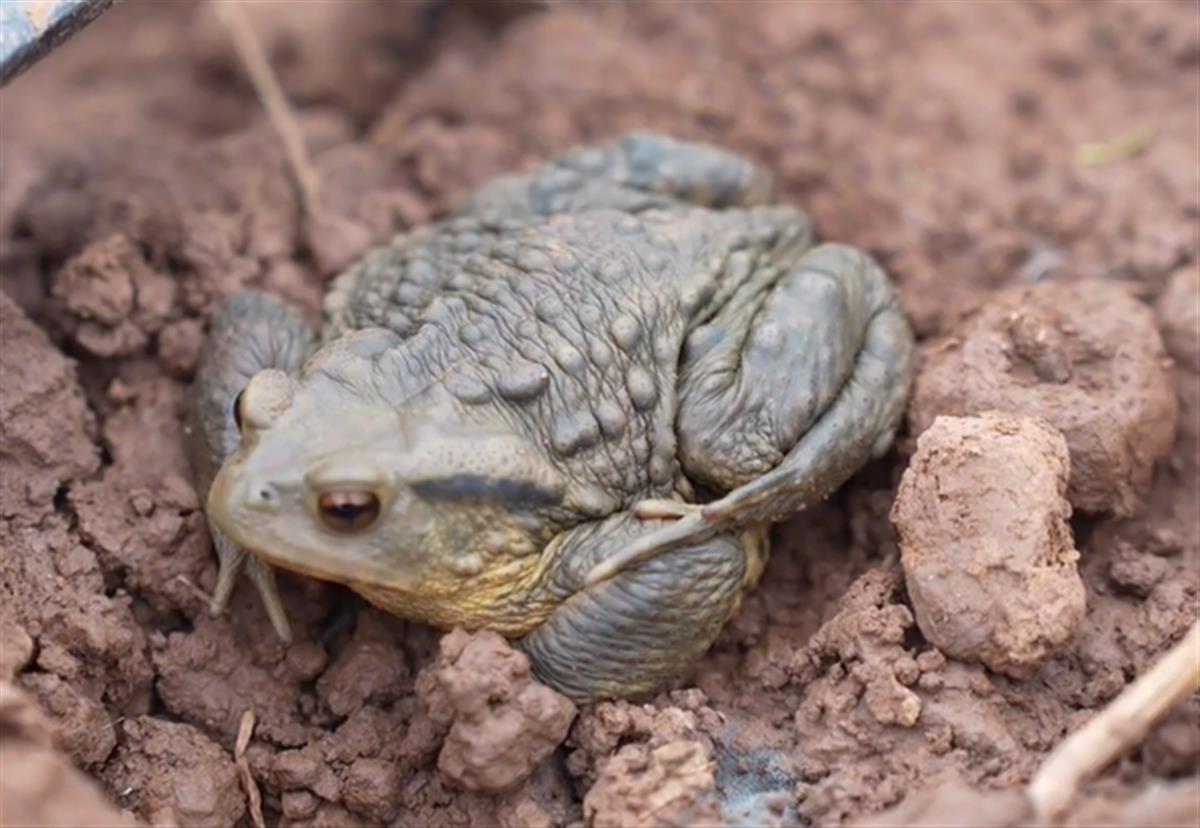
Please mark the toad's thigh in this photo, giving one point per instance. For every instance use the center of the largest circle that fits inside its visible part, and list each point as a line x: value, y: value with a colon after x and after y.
x: 754, y: 381
x: 630, y: 634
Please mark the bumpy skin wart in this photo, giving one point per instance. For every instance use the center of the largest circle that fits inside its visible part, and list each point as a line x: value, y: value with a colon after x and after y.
x: 538, y: 393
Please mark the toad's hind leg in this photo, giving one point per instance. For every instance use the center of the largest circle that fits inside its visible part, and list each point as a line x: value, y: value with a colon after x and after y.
x: 758, y: 377
x: 782, y: 399
x: 251, y: 333
x: 833, y: 393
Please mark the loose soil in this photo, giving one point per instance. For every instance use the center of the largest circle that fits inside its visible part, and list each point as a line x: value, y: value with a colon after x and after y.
x: 990, y: 155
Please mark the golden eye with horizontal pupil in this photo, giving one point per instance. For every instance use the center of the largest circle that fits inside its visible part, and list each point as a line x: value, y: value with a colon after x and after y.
x: 349, y: 511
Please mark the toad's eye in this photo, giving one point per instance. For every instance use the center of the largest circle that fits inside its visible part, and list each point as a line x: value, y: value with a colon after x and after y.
x: 237, y: 409
x: 348, y: 511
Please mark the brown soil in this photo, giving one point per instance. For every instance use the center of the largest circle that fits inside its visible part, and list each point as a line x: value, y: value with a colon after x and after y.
x: 142, y: 185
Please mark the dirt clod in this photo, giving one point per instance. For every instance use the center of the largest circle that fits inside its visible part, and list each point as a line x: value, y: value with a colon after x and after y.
x: 1086, y: 357
x: 41, y: 452
x: 112, y: 297
x: 179, y: 346
x: 504, y: 722
x: 372, y: 668
x: 81, y: 725
x: 173, y: 772
x: 987, y: 551
x: 643, y: 787
x: 1179, y: 314
x: 37, y: 785
x: 16, y: 647
x: 1136, y: 571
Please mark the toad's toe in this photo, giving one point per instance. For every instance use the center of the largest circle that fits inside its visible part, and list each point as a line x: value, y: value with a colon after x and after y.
x: 658, y: 509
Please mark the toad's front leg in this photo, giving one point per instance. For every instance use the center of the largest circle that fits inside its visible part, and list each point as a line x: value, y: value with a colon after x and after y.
x: 630, y: 635
x: 253, y: 332
x: 637, y: 172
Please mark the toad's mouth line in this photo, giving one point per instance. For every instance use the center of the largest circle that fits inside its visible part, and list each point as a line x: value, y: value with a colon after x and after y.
x: 329, y: 566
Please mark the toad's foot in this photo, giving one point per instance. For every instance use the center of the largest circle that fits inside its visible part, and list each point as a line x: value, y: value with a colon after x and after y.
x: 688, y: 516
x: 693, y: 522
x: 661, y: 509
x: 232, y: 560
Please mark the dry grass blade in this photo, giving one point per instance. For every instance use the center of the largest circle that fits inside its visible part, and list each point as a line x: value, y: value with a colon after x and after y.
x: 1122, y: 724
x: 253, y: 797
x: 1107, y: 153
x: 196, y: 591
x: 270, y: 92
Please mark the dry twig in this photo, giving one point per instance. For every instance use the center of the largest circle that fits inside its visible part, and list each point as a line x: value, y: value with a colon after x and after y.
x: 270, y: 92
x: 1122, y: 724
x: 253, y: 798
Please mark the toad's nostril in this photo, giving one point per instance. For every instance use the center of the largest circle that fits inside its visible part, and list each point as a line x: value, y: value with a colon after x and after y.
x: 262, y: 496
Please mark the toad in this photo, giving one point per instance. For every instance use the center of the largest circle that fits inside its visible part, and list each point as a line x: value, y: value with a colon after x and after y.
x: 568, y: 413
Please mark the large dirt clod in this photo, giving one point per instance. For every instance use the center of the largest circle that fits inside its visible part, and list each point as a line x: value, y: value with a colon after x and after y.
x: 1085, y: 356
x: 987, y: 551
